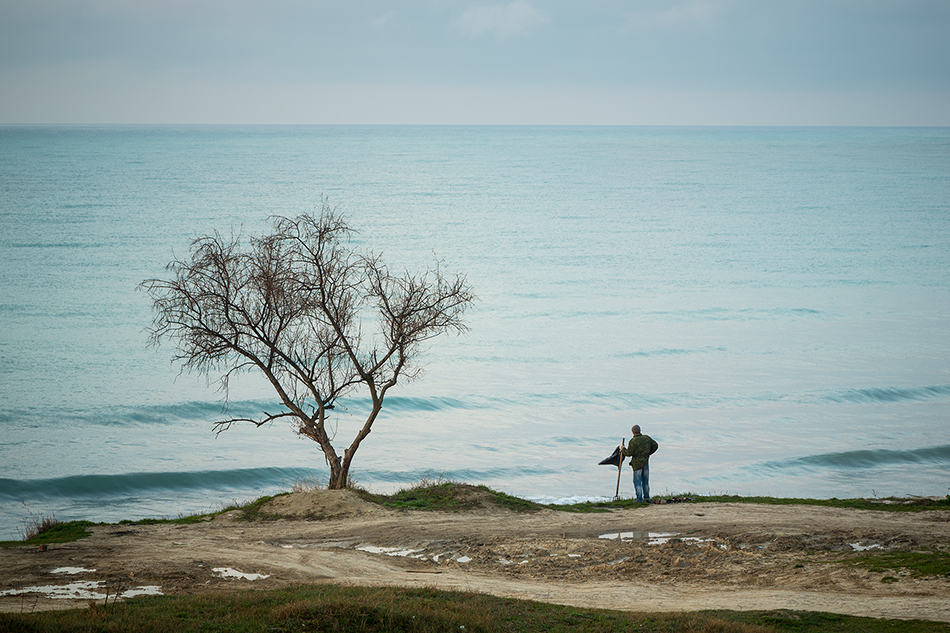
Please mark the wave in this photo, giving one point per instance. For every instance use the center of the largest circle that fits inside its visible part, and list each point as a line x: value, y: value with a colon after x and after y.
x: 403, y: 403
x: 674, y: 351
x: 56, y: 245
x: 212, y: 411
x: 150, y: 483
x: 742, y: 314
x: 859, y: 460
x: 889, y: 394
x: 121, y: 415
x: 467, y: 475
x: 869, y: 395
x: 206, y: 412
x: 104, y: 486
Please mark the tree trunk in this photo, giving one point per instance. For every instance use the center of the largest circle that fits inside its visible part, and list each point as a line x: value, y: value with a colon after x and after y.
x: 341, y: 478
x: 338, y: 479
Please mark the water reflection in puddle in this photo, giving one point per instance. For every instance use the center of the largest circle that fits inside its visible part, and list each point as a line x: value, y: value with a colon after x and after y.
x: 652, y: 538
x: 389, y: 551
x: 228, y: 572
x: 656, y: 538
x: 857, y: 547
x: 412, y: 553
x: 72, y: 570
x: 82, y: 590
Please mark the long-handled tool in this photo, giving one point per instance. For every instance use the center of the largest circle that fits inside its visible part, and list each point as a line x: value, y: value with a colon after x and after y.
x: 619, y: 468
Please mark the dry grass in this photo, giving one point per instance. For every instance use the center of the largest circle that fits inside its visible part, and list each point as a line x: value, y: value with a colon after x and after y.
x: 36, y: 524
x: 308, y: 484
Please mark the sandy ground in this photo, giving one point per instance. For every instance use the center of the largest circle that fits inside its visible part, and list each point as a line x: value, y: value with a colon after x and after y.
x: 723, y: 556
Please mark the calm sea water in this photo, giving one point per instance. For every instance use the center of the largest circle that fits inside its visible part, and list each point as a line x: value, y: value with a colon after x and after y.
x: 771, y: 305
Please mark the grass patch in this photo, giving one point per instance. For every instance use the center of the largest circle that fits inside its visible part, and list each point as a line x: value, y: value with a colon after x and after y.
x: 182, y: 520
x: 391, y: 609
x: 891, y: 504
x: 449, y: 496
x: 253, y: 510
x: 598, y: 506
x: 57, y: 533
x: 516, y: 504
x: 35, y: 524
x: 817, y: 622
x: 918, y: 564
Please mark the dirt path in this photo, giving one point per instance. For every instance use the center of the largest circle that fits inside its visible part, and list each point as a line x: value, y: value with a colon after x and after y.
x: 707, y: 556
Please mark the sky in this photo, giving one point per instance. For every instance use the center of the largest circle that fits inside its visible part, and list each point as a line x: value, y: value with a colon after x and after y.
x: 563, y: 62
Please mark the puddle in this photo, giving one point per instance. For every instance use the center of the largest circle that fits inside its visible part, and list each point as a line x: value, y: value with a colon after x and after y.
x: 857, y: 547
x: 389, y: 551
x: 657, y: 538
x: 145, y: 590
x: 82, y: 590
x: 696, y: 540
x: 652, y: 538
x: 411, y: 553
x: 310, y: 544
x: 227, y: 572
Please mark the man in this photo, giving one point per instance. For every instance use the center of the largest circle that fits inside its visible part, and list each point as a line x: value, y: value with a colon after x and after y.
x: 639, y: 450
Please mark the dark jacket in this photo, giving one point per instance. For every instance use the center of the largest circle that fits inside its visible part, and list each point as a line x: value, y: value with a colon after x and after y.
x: 639, y: 450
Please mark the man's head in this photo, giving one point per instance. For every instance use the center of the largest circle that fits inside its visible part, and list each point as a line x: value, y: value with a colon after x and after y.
x: 636, y: 429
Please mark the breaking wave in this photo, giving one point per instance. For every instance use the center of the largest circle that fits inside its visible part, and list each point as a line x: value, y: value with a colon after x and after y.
x: 859, y: 460
x: 128, y: 484
x: 243, y: 479
x: 211, y: 411
x: 889, y: 394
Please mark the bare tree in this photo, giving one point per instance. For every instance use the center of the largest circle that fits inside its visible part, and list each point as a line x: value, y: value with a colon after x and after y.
x: 319, y: 319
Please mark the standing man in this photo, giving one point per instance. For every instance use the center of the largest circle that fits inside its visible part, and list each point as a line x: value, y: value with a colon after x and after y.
x: 639, y: 450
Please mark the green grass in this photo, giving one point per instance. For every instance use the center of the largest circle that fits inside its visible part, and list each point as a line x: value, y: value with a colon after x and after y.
x: 390, y: 609
x: 913, y: 504
x: 512, y: 503
x: 449, y: 496
x: 184, y: 520
x: 253, y: 510
x: 933, y: 562
x: 58, y: 533
x: 817, y: 622
x: 598, y: 506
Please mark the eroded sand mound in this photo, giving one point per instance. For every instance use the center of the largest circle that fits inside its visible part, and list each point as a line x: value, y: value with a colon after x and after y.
x: 320, y: 505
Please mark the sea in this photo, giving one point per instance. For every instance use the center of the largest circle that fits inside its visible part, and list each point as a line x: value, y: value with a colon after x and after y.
x: 771, y: 305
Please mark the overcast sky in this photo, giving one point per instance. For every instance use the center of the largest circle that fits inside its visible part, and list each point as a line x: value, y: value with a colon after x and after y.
x: 632, y: 62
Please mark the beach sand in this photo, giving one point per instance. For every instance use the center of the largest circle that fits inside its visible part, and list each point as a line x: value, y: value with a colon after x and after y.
x: 672, y: 557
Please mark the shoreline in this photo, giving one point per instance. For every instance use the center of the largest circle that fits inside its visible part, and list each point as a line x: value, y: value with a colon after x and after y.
x: 715, y: 555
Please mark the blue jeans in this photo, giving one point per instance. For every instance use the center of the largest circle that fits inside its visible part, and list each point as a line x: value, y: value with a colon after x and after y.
x: 641, y: 483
